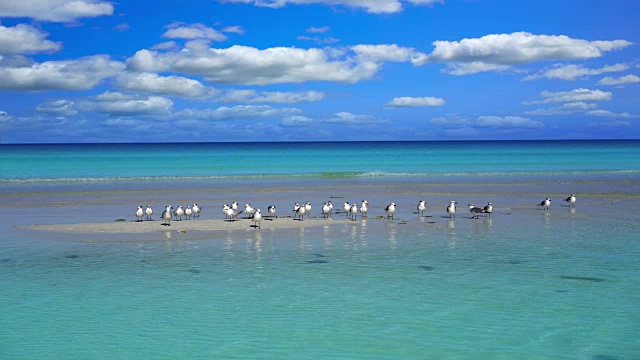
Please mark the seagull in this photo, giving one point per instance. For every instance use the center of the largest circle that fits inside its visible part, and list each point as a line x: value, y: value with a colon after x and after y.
x: 179, y: 212
x: 422, y: 206
x: 390, y: 209
x: 229, y: 212
x: 545, y: 203
x: 234, y: 206
x: 196, y: 210
x: 354, y: 211
x: 326, y: 210
x: 571, y: 200
x: 307, y: 208
x: 330, y: 207
x: 296, y: 207
x: 166, y: 215
x: 346, y: 207
x: 257, y: 216
x: 139, y: 214
x: 364, y: 208
x: 301, y: 211
x: 488, y: 209
x: 148, y: 212
x: 272, y: 211
x: 249, y: 210
x: 475, y: 211
x: 451, y: 209
x: 188, y: 212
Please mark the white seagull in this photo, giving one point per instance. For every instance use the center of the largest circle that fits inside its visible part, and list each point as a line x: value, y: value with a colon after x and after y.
x: 139, y: 214
x: 301, y: 211
x: 390, y: 209
x: 326, y: 210
x: 179, y: 213
x: 166, y: 215
x: 545, y: 203
x: 571, y: 200
x: 249, y: 210
x: 196, y: 210
x: 188, y: 212
x: 488, y: 209
x: 346, y: 207
x: 272, y: 211
x: 149, y: 212
x: 364, y: 208
x: 354, y: 212
x: 307, y: 208
x: 257, y: 216
x: 451, y: 209
x: 422, y: 206
x: 296, y: 207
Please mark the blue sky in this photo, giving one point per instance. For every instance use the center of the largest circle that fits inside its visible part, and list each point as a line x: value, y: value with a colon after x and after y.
x: 318, y: 70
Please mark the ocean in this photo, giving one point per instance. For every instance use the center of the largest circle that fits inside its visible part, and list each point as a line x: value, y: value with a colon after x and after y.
x: 524, y: 283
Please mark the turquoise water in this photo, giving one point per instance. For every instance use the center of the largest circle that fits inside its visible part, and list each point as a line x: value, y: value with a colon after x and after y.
x: 522, y: 284
x: 231, y: 160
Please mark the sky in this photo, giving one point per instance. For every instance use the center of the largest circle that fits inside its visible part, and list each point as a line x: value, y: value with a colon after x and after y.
x: 94, y: 71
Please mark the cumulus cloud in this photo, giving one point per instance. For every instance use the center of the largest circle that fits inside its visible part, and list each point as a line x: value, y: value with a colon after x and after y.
x: 55, y: 10
x: 243, y: 112
x: 253, y: 96
x: 564, y: 109
x: 371, y: 6
x: 58, y: 108
x: 501, y: 51
x: 610, y: 124
x: 502, y: 122
x: 353, y: 119
x: 295, y: 121
x: 572, y: 72
x: 164, y: 85
x: 167, y: 45
x: 79, y: 74
x: 115, y: 103
x: 233, y: 29
x: 623, y: 80
x: 250, y: 66
x: 610, y: 114
x: 193, y: 31
x: 24, y: 39
x: 414, y: 102
x: 575, y: 95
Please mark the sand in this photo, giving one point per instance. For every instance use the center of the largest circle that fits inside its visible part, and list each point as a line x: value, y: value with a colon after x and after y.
x: 132, y: 227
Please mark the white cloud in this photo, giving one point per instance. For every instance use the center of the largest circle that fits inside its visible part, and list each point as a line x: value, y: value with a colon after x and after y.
x: 610, y: 114
x: 572, y: 72
x: 575, y: 95
x: 4, y: 116
x: 80, y: 74
x: 322, y: 29
x: 167, y: 45
x: 415, y: 102
x: 507, y: 122
x: 319, y: 40
x: 501, y: 51
x: 371, y: 6
x: 352, y: 119
x: 121, y: 27
x: 564, y: 109
x: 502, y: 122
x: 114, y: 103
x: 233, y: 29
x: 295, y: 120
x: 193, y: 31
x: 244, y: 112
x: 623, y: 80
x: 15, y: 61
x: 164, y: 85
x: 253, y: 96
x: 250, y: 66
x: 58, y: 108
x: 55, y: 10
x: 610, y: 124
x: 24, y: 39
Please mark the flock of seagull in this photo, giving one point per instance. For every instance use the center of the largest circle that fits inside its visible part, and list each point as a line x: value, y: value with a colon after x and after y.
x: 301, y: 211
